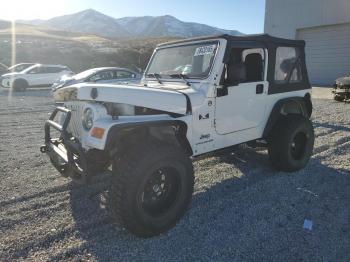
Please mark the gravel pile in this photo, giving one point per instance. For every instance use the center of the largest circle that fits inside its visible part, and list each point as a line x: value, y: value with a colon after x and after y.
x: 241, y: 209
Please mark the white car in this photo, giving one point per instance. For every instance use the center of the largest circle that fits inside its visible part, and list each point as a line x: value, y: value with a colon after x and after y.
x: 37, y: 75
x: 239, y: 89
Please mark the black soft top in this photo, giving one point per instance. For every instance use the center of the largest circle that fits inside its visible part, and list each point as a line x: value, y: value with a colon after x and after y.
x: 262, y: 38
x: 272, y: 44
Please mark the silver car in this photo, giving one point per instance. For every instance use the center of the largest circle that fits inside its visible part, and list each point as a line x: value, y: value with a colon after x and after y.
x: 100, y: 75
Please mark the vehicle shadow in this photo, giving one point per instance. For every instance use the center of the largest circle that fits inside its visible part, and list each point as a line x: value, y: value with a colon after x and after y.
x: 255, y: 215
x: 332, y: 126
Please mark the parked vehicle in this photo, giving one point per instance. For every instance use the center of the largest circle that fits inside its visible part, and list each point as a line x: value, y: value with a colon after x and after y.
x: 16, y: 68
x: 238, y: 89
x: 100, y: 75
x: 341, y: 89
x: 37, y: 75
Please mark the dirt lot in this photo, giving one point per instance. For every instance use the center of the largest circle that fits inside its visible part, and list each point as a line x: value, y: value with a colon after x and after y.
x: 241, y: 209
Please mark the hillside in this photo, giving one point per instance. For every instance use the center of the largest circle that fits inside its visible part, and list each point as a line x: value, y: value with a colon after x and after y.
x: 36, y: 31
x: 91, y: 39
x: 93, y: 22
x: 79, y: 51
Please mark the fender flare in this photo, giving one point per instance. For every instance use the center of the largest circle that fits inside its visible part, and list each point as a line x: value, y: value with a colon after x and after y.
x: 116, y: 130
x: 302, y: 104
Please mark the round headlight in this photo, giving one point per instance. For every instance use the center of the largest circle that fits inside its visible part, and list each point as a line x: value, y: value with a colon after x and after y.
x: 88, y: 119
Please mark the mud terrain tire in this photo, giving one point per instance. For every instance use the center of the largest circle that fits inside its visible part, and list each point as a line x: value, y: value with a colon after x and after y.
x: 151, y: 189
x: 291, y: 143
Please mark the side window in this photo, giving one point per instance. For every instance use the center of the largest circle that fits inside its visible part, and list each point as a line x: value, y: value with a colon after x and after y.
x: 125, y: 74
x: 95, y: 77
x: 287, y: 65
x: 107, y: 75
x: 254, y: 61
x: 104, y: 75
x: 35, y: 70
x: 43, y: 70
x: 245, y: 66
x: 53, y: 70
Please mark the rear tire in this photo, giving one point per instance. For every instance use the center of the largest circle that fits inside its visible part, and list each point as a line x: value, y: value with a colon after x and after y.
x: 19, y: 85
x: 152, y: 188
x: 291, y: 143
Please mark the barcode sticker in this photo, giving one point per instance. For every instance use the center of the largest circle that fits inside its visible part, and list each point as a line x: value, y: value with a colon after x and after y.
x: 205, y: 50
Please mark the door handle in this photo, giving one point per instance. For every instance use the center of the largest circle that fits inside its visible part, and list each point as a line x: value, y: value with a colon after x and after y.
x: 260, y: 89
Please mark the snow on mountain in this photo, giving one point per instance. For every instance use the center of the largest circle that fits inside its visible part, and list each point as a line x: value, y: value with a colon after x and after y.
x: 93, y: 22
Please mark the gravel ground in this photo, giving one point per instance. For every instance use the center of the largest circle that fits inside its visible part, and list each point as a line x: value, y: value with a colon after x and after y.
x: 241, y: 209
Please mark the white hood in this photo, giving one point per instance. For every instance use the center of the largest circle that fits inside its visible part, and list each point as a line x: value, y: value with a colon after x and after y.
x: 154, y: 98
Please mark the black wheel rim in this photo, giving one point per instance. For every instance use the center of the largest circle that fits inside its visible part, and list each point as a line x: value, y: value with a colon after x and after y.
x: 298, y: 145
x: 160, y: 191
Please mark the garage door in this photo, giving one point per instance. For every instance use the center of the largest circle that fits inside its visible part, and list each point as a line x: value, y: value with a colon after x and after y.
x: 327, y: 52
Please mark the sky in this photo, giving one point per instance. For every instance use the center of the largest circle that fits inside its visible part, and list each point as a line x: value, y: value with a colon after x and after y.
x: 246, y: 16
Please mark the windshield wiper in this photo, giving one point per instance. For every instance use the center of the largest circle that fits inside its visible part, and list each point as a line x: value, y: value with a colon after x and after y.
x: 156, y: 76
x: 183, y: 77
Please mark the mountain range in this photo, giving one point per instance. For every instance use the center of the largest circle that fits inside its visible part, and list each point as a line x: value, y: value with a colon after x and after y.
x: 93, y: 22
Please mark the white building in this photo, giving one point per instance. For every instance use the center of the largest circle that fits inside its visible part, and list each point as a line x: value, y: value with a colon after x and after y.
x: 324, y: 25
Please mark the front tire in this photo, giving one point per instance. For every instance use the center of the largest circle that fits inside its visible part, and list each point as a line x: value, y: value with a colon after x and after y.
x: 19, y: 85
x: 152, y: 188
x: 291, y: 143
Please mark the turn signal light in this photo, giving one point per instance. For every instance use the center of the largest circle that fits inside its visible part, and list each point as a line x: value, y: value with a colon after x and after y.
x: 97, y: 132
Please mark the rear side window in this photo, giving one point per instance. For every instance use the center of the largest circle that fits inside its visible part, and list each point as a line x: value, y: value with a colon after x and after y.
x: 52, y: 70
x: 287, y: 65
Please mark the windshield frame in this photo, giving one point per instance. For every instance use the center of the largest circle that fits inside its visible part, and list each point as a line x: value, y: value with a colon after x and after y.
x: 168, y: 78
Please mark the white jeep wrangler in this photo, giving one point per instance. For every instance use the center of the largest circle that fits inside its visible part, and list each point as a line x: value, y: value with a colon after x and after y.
x: 197, y: 96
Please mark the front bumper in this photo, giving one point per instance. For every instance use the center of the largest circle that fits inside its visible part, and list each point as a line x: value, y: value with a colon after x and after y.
x: 66, y: 153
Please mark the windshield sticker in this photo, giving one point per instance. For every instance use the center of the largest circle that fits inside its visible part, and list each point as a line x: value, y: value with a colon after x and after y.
x: 205, y: 50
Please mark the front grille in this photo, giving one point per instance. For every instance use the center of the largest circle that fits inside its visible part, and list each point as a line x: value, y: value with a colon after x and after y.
x: 75, y: 126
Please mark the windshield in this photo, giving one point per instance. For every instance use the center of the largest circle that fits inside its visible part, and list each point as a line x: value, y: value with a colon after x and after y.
x: 84, y: 74
x: 27, y: 70
x: 191, y: 61
x: 20, y: 67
